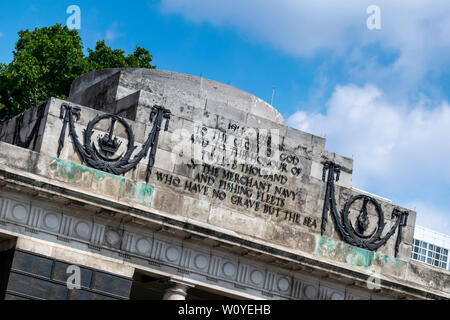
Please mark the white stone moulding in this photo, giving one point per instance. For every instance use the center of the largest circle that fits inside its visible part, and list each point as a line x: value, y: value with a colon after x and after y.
x: 153, y: 249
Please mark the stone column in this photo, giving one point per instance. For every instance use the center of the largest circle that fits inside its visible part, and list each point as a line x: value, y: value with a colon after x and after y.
x: 177, y: 290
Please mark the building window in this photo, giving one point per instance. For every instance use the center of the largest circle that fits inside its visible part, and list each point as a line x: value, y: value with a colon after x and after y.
x: 429, y: 253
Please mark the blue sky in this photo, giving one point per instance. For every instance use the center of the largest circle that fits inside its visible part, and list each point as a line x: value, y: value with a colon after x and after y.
x: 378, y: 96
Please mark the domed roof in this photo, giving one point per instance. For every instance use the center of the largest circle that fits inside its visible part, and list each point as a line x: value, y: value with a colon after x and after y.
x: 187, y: 84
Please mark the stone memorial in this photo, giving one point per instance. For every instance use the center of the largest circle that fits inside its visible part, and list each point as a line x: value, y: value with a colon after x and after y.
x: 150, y: 184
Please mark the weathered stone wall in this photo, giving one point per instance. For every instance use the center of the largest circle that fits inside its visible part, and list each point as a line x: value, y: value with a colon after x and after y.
x: 64, y: 226
x: 272, y: 195
x: 211, y: 112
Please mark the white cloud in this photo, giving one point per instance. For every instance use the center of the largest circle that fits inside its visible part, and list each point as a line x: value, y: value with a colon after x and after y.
x: 291, y: 25
x: 384, y: 138
x: 112, y: 33
x: 417, y: 33
x: 431, y: 217
x: 396, y: 148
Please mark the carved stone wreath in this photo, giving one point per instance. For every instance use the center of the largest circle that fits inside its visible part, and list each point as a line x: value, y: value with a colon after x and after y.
x: 350, y: 234
x: 102, y: 158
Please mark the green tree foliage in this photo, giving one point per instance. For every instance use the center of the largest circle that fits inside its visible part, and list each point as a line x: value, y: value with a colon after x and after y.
x: 47, y: 60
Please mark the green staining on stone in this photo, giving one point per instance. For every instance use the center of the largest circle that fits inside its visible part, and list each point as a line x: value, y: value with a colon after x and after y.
x: 70, y: 172
x: 142, y: 193
x: 325, y: 244
x: 101, y: 175
x: 386, y: 261
x: 358, y: 257
x: 354, y: 256
x: 101, y: 183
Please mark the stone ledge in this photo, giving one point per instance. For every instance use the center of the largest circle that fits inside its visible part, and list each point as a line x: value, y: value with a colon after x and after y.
x: 270, y: 250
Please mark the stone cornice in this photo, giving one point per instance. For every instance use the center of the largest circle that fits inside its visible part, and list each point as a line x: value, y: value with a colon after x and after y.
x: 38, y: 185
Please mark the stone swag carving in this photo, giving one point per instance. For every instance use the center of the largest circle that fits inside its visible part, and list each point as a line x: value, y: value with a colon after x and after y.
x: 33, y: 134
x: 355, y: 235
x: 102, y: 158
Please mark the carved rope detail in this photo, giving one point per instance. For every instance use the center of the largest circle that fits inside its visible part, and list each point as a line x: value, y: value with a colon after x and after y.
x: 346, y: 230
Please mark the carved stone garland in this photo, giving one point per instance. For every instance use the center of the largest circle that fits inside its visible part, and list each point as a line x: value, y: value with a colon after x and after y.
x: 108, y: 144
x: 33, y: 135
x: 350, y: 234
